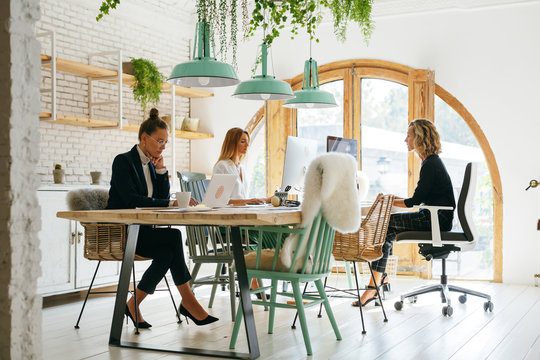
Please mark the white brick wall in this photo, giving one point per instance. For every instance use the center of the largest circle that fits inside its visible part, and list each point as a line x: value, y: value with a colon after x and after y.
x: 163, y: 38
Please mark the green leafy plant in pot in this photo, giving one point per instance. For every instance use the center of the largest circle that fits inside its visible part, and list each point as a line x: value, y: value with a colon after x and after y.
x: 148, y: 80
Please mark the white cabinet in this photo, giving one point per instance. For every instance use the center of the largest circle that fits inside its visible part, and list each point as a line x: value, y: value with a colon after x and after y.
x: 56, y: 244
x: 63, y: 266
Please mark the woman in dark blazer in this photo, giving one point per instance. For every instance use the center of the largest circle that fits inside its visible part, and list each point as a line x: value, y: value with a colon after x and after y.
x: 434, y: 188
x: 139, y: 179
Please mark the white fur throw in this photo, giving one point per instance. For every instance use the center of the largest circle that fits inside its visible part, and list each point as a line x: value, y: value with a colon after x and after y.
x: 87, y: 199
x: 330, y: 185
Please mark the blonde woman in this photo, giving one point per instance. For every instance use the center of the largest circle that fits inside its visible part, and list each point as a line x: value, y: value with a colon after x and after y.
x: 233, y: 151
x: 434, y: 187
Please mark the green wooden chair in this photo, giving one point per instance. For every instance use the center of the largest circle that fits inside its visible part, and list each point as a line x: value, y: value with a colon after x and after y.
x: 208, y: 245
x: 320, y: 238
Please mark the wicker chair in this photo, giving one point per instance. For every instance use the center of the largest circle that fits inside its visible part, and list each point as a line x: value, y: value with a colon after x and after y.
x: 366, y: 244
x: 103, y: 242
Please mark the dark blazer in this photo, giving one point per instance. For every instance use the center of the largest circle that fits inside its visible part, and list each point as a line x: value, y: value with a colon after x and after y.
x: 128, y: 185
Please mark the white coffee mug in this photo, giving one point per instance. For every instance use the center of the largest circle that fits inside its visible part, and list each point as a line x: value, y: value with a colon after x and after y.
x: 183, y: 197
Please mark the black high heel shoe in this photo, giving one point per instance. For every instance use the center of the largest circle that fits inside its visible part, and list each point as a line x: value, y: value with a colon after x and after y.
x: 141, y: 325
x: 207, y: 320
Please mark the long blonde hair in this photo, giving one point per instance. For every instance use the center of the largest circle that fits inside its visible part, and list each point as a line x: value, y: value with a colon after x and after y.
x: 230, y: 144
x: 426, y: 138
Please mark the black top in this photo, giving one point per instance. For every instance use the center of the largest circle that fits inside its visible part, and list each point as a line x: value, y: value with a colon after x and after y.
x: 128, y: 185
x: 434, y: 186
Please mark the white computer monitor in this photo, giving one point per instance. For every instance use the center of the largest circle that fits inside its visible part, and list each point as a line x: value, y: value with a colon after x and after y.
x: 298, y: 154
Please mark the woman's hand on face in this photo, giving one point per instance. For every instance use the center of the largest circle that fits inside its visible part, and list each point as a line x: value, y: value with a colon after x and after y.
x: 193, y: 202
x: 157, y: 161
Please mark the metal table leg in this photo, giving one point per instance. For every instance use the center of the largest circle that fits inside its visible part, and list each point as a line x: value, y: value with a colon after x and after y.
x: 121, y: 297
x: 245, y: 294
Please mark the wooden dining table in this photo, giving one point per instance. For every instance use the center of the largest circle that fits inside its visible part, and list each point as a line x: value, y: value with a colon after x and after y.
x: 229, y: 216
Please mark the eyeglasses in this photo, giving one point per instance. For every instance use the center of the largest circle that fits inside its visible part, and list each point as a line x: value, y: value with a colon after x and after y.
x: 160, y: 142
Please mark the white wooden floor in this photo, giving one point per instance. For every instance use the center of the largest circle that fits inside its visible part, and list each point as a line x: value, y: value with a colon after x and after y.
x: 419, y: 331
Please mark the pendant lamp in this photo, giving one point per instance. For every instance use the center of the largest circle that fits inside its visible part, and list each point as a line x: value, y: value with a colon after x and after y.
x: 311, y: 97
x: 204, y: 70
x: 263, y: 87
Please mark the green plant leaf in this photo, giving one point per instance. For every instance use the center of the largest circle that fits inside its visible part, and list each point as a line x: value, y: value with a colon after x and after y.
x: 148, y: 81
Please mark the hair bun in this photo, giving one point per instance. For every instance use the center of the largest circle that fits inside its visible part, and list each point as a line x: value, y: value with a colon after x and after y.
x: 154, y: 113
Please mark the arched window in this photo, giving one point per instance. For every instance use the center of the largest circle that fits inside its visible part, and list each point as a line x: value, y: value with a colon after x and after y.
x: 377, y: 100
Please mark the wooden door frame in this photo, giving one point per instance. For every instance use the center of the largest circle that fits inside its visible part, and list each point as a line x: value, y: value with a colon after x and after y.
x: 384, y: 70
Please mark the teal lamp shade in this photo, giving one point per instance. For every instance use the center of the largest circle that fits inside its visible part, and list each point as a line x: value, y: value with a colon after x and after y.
x: 204, y: 70
x: 263, y: 87
x: 311, y: 97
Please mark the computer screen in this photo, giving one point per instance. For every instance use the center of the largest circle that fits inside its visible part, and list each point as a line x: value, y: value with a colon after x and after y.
x: 338, y: 144
x: 298, y: 154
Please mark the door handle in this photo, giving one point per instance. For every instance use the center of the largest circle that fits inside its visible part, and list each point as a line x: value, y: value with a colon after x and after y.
x: 73, y: 237
x: 79, y: 234
x: 533, y: 184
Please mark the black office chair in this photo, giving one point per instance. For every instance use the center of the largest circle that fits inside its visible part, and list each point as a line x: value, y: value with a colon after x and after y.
x: 436, y: 244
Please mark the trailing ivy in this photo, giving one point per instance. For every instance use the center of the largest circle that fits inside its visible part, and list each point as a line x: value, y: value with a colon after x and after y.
x: 234, y: 31
x: 223, y: 12
x: 106, y: 5
x: 358, y: 11
x: 272, y: 16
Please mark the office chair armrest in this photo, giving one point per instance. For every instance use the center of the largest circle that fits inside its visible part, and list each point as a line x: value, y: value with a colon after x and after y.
x: 435, y: 228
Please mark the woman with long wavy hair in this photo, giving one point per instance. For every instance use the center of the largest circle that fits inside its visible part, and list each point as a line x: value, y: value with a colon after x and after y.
x: 434, y: 187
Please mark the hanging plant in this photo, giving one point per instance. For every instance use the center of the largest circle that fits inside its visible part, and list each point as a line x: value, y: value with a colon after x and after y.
x: 148, y: 80
x: 271, y: 16
x: 218, y: 13
x: 222, y: 15
x: 106, y: 5
x: 344, y: 11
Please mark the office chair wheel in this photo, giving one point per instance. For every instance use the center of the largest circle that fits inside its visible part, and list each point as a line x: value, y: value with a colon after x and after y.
x: 413, y: 299
x: 488, y: 305
x: 462, y: 298
x: 447, y: 311
x: 398, y: 305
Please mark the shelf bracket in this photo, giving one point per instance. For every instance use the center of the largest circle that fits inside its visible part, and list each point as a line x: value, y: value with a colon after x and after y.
x: 51, y: 61
x: 119, y: 103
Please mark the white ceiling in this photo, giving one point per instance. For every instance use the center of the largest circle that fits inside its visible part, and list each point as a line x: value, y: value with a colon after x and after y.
x: 399, y: 7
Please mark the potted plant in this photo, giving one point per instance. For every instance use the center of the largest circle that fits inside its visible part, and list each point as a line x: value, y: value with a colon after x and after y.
x: 58, y: 174
x: 148, y: 81
x: 96, y: 177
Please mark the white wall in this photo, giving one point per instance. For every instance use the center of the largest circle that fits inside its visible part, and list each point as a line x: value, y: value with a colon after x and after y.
x: 487, y: 58
x: 162, y: 37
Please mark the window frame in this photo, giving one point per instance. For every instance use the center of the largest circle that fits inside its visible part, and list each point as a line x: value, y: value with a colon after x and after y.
x: 422, y: 89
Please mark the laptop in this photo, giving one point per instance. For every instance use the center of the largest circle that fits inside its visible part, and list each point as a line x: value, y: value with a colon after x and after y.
x: 219, y: 190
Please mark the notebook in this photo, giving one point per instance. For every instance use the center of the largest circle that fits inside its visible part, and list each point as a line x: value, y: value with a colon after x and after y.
x: 219, y: 190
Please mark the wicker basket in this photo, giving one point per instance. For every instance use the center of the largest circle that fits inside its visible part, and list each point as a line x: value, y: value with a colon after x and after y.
x: 105, y: 242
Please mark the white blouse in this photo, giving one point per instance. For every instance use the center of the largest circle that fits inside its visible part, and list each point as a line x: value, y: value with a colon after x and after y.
x: 240, y: 190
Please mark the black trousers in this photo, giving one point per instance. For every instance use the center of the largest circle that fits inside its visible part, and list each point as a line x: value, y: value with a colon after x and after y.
x: 164, y: 247
x: 409, y: 221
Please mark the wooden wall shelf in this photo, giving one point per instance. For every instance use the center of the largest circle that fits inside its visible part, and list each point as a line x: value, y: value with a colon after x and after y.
x: 96, y: 123
x: 97, y: 72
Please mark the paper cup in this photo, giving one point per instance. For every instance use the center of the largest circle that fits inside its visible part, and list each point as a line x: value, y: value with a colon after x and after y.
x: 183, y: 198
